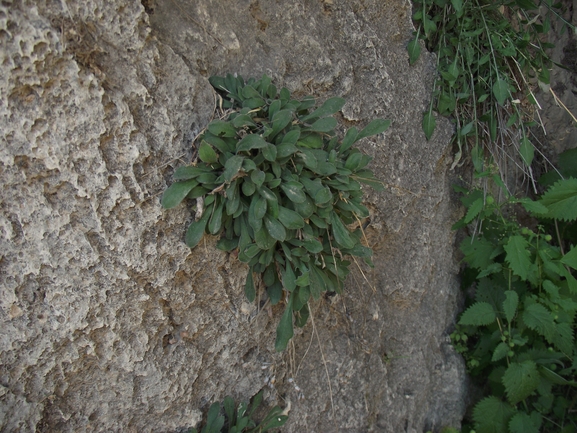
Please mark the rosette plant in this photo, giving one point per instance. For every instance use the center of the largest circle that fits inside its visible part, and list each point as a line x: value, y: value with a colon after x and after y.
x: 278, y: 186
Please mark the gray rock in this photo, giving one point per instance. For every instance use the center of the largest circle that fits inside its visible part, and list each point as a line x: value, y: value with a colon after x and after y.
x: 109, y: 322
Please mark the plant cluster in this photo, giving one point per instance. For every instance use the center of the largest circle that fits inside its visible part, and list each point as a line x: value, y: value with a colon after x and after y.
x: 281, y: 190
x: 517, y: 335
x: 491, y: 56
x: 240, y: 419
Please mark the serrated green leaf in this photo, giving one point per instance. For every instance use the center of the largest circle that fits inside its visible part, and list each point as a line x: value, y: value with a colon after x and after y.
x: 518, y: 256
x: 375, y: 127
x: 510, y: 304
x: 479, y: 252
x: 533, y: 206
x: 493, y: 268
x: 429, y: 124
x: 284, y: 330
x: 570, y: 259
x: 500, y: 352
x: 561, y: 200
x: 538, y: 318
x: 251, y: 141
x: 501, y: 91
x: 474, y: 210
x: 176, y: 192
x: 478, y: 314
x: 520, y: 380
x: 492, y: 415
x: 414, y: 49
x: 563, y: 338
x: 523, y: 423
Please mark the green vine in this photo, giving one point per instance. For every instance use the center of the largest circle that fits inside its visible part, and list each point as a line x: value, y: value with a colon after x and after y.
x: 491, y: 58
x: 281, y: 189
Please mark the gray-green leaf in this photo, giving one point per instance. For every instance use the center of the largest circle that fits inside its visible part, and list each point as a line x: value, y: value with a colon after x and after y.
x: 501, y: 91
x: 429, y: 124
x: 177, y: 192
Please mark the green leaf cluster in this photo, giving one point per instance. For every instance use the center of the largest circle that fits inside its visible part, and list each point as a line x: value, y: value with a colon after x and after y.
x: 282, y: 191
x: 488, y: 53
x: 239, y: 419
x: 518, y: 332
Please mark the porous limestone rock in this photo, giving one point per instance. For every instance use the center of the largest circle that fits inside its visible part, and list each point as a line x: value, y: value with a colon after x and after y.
x: 109, y: 322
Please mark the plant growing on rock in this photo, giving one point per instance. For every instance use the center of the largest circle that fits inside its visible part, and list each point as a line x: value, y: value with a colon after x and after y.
x: 491, y: 58
x: 282, y: 190
x: 240, y: 419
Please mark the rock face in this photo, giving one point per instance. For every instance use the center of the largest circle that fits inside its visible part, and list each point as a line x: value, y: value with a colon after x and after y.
x: 108, y: 321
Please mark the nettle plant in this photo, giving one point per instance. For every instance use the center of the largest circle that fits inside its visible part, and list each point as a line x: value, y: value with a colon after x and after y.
x: 282, y: 191
x: 517, y: 335
x: 239, y: 419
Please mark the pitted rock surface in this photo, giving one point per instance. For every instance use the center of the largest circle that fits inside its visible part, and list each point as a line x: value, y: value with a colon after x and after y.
x: 109, y: 322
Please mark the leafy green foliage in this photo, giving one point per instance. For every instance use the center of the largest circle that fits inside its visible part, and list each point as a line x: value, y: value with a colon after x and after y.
x: 240, y: 419
x: 282, y: 191
x: 517, y: 334
x: 561, y: 200
x: 487, y: 54
x: 491, y: 415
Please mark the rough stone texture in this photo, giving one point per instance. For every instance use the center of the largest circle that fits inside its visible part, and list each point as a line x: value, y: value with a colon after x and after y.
x: 108, y: 321
x: 558, y: 132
